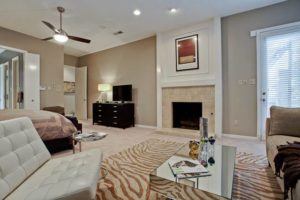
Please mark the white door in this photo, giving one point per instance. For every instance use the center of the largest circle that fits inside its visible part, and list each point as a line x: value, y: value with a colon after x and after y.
x: 7, y: 87
x: 81, y: 92
x: 2, y: 87
x: 15, y: 82
x: 32, y: 81
x: 279, y: 71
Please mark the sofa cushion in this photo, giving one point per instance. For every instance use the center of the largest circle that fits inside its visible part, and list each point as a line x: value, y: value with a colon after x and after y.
x: 285, y: 121
x: 22, y: 152
x: 271, y: 144
x: 72, y: 177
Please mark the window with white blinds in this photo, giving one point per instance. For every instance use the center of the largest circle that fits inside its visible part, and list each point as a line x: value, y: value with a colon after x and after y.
x: 282, y: 68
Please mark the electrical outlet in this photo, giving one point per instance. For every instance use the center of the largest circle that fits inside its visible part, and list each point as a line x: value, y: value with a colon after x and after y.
x: 42, y: 88
x: 243, y: 82
x: 235, y: 122
x: 252, y: 81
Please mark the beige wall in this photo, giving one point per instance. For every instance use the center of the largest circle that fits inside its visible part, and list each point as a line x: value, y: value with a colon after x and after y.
x: 52, y: 61
x: 71, y: 60
x: 239, y: 62
x: 133, y: 63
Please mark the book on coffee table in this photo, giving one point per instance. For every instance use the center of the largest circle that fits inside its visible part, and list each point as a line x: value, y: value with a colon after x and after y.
x: 188, y: 169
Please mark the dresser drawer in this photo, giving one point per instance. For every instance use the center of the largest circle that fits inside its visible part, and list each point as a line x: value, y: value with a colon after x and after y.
x: 116, y: 115
x: 99, y: 116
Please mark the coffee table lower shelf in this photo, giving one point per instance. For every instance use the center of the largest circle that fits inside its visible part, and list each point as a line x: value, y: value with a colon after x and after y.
x: 179, y: 191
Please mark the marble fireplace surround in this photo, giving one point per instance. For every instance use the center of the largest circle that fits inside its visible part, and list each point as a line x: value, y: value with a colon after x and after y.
x: 203, y: 94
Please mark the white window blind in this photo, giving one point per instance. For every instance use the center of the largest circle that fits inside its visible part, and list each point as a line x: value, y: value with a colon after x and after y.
x: 282, y: 60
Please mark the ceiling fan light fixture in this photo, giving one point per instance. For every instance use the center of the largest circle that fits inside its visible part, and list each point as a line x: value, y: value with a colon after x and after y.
x: 60, y: 38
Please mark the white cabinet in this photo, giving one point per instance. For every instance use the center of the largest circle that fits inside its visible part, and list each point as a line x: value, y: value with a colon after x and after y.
x: 32, y: 81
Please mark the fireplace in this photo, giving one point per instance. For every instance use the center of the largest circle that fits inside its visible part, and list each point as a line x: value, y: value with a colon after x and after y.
x: 186, y: 115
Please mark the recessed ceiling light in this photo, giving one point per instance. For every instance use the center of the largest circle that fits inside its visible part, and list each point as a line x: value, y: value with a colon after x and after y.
x: 137, y: 12
x: 173, y: 10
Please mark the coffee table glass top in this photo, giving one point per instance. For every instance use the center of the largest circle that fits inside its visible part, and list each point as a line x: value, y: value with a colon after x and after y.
x: 219, y: 182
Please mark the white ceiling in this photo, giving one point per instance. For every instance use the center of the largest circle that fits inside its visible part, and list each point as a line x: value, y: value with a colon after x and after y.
x: 99, y: 19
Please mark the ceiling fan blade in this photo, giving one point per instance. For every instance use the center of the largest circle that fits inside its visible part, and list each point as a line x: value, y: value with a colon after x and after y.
x: 79, y: 39
x: 48, y: 38
x: 50, y: 26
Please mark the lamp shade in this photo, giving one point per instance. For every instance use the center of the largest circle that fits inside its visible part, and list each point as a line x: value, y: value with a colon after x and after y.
x: 104, y: 87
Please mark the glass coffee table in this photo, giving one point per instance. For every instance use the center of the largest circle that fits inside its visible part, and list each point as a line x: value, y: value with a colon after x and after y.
x: 219, y: 182
x: 86, y: 137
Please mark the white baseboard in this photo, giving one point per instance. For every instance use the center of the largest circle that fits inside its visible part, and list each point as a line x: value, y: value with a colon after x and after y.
x: 239, y: 136
x: 145, y: 126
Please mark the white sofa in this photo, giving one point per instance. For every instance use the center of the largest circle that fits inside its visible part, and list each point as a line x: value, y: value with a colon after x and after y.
x: 27, y: 171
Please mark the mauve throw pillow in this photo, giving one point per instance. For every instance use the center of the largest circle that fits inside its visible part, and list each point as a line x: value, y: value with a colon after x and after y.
x: 285, y: 121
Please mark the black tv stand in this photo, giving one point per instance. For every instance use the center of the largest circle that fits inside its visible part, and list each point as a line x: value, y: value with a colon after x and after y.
x: 119, y: 115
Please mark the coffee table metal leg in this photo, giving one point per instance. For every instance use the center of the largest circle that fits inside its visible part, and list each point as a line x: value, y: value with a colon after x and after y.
x: 104, y: 175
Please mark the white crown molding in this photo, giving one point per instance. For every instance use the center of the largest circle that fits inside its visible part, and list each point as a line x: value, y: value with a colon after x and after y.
x: 256, y: 32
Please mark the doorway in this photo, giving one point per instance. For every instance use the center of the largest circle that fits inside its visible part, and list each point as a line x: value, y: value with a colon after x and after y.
x: 11, y: 79
x: 75, y: 91
x: 69, y: 90
x: 279, y: 71
x: 81, y: 92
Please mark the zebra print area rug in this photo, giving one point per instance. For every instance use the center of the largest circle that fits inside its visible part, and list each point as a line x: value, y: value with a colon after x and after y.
x: 128, y: 175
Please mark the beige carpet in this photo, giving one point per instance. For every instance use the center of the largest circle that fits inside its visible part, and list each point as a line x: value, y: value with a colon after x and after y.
x: 128, y: 175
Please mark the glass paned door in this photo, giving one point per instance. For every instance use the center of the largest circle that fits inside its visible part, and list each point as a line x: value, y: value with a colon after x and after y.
x: 280, y: 70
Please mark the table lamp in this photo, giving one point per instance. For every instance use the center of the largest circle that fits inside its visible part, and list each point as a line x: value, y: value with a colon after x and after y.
x: 103, y: 89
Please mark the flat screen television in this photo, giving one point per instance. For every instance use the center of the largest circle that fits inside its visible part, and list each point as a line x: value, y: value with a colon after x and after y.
x: 122, y: 93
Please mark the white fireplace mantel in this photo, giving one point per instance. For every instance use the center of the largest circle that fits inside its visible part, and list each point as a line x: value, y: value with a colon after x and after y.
x: 212, y: 76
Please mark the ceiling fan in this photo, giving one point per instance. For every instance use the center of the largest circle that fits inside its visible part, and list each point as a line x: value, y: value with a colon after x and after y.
x: 59, y: 34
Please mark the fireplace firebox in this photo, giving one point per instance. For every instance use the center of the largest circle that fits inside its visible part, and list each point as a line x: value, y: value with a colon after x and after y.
x: 186, y: 115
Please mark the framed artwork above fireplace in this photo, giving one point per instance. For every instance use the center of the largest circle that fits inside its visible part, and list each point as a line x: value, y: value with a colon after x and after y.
x: 187, y: 56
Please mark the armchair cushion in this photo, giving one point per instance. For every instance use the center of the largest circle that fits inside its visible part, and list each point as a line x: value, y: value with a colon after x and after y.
x: 285, y: 121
